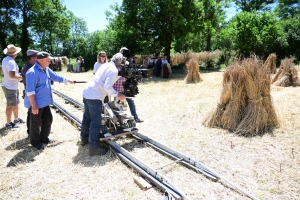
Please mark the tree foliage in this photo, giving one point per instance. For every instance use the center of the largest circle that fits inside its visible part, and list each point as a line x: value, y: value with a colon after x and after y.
x: 253, y: 5
x: 257, y: 33
x: 154, y: 24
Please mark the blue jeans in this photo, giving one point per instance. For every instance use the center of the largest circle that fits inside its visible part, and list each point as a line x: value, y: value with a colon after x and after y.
x: 91, y: 122
x: 132, y: 107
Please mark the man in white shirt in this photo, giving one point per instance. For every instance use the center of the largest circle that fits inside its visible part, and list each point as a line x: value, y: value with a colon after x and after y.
x: 93, y: 96
x: 10, y: 85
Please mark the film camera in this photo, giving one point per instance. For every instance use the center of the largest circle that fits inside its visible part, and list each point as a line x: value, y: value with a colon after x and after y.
x: 132, y: 72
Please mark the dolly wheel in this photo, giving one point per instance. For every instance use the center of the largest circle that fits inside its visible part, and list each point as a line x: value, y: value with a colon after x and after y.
x: 131, y: 123
x: 103, y: 129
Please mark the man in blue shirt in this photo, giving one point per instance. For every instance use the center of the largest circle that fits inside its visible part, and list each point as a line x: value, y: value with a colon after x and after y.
x: 38, y: 98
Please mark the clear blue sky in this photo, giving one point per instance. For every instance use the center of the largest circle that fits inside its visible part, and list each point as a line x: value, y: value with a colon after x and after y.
x: 93, y: 11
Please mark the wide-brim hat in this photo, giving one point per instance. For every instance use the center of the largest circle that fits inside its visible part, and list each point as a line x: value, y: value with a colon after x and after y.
x: 11, y: 50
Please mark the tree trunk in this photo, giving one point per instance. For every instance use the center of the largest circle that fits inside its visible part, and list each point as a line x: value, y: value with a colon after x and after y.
x: 2, y: 40
x: 208, y: 43
x: 24, y: 39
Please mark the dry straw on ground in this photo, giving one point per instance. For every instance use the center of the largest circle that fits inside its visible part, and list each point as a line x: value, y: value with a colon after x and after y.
x: 245, y: 105
x: 267, y: 166
x: 180, y: 58
x: 270, y: 63
x: 287, y: 74
x: 193, y: 75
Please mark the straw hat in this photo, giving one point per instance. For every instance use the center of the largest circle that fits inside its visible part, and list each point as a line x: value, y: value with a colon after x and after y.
x: 11, y: 50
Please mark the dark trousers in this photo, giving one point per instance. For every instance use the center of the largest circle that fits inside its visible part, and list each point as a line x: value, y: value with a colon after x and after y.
x: 40, y: 126
x: 28, y: 121
x: 157, y: 70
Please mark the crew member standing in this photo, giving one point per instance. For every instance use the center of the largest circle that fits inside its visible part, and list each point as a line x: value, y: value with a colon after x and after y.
x: 10, y: 85
x: 93, y: 96
x: 38, y: 98
x: 31, y: 57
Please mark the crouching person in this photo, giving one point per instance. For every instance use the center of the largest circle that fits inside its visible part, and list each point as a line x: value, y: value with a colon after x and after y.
x: 38, y: 98
x: 93, y: 94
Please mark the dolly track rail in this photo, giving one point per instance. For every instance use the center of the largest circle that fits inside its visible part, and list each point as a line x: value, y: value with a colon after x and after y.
x: 153, y: 175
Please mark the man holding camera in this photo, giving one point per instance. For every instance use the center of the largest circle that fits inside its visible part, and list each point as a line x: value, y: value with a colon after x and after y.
x: 93, y: 96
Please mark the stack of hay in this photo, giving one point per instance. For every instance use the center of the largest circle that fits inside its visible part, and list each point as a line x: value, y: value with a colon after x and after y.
x: 245, y: 105
x: 193, y: 75
x: 271, y: 63
x: 287, y: 74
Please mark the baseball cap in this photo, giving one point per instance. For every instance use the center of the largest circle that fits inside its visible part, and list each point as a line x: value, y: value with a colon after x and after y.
x: 31, y: 52
x: 43, y: 54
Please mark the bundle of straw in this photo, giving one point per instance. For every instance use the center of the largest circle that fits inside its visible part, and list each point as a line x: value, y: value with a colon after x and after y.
x: 271, y: 63
x: 193, y: 75
x: 287, y: 74
x: 245, y: 105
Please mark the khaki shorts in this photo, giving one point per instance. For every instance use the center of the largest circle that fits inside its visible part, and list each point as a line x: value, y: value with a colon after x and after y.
x: 12, y: 96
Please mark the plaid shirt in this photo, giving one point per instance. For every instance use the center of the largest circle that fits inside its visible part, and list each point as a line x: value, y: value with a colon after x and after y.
x: 118, y: 86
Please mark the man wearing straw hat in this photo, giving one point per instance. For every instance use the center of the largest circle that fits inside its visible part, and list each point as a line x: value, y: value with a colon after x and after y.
x: 10, y: 85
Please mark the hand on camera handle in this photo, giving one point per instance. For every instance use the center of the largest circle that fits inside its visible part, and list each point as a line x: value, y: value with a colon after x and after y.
x: 121, y: 97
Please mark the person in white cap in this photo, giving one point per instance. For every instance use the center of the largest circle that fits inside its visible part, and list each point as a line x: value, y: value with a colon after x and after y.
x: 93, y: 96
x: 31, y: 57
x: 38, y: 98
x: 10, y: 85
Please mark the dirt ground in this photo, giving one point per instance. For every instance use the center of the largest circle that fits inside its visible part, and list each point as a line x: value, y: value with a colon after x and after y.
x: 267, y: 166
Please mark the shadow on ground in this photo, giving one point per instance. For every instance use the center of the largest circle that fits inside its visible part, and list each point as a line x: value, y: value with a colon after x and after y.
x: 27, y: 153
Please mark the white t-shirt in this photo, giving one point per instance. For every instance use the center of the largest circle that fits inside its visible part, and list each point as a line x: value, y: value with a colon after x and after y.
x: 102, y: 83
x: 9, y: 64
x: 96, y: 67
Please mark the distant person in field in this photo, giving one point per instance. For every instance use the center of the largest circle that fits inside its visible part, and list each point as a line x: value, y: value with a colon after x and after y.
x: 150, y: 62
x: 59, y: 62
x: 157, y: 67
x: 78, y: 65
x: 93, y: 94
x: 31, y: 57
x: 38, y: 98
x: 101, y: 59
x: 145, y: 62
x: 10, y: 85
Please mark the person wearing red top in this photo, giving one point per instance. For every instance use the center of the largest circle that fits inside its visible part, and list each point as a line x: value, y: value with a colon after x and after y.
x: 118, y: 86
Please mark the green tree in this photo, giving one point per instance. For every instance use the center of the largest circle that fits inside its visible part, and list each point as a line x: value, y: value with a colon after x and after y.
x: 154, y: 24
x: 214, y: 15
x: 289, y: 13
x: 50, y: 24
x: 288, y: 8
x: 8, y: 15
x: 253, y: 5
x: 258, y: 33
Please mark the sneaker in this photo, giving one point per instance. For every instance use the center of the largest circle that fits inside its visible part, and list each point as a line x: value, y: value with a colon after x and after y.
x: 11, y: 125
x: 138, y: 120
x: 99, y: 151
x: 19, y: 120
x: 38, y: 146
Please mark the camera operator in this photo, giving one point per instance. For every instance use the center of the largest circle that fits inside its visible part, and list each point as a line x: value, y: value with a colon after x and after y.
x: 118, y: 86
x: 93, y: 95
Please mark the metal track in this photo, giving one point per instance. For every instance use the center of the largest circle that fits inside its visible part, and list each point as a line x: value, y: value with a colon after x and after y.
x: 151, y: 174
